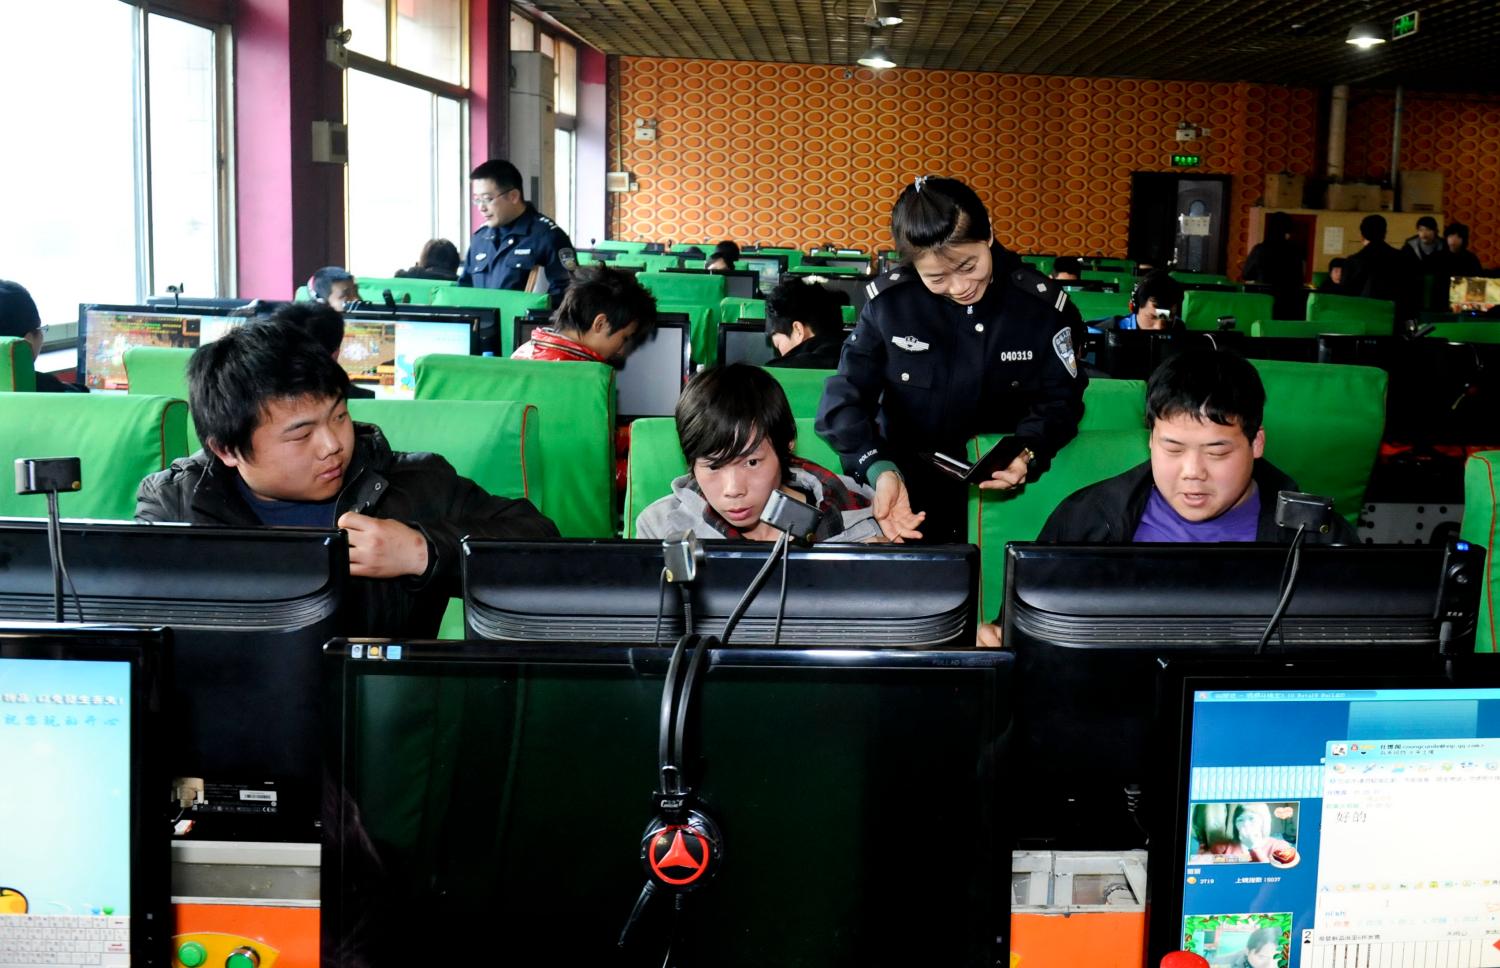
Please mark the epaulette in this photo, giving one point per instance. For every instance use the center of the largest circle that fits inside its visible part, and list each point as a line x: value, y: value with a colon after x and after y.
x: 1029, y: 280
x: 889, y: 280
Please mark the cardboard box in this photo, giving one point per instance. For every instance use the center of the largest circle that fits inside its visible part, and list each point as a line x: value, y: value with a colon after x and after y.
x: 1421, y: 191
x: 1284, y: 190
x: 1353, y: 198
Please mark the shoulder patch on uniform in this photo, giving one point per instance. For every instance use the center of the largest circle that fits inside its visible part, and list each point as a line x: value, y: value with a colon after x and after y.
x: 1062, y: 345
x: 1034, y: 284
x: 889, y: 280
x: 568, y: 258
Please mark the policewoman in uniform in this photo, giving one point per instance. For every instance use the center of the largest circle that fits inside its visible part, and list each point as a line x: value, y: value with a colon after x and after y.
x: 517, y: 247
x: 962, y: 338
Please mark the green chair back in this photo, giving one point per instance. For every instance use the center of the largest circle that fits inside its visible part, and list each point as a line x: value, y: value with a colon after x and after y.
x: 1479, y: 527
x: 656, y: 461
x: 1124, y: 266
x: 732, y: 309
x: 996, y: 517
x: 17, y: 368
x: 1301, y: 327
x: 118, y: 438
x: 1122, y: 279
x: 414, y: 291
x: 807, y: 270
x: 681, y: 247
x: 510, y: 303
x: 1323, y: 426
x: 1202, y: 308
x: 1100, y: 305
x: 677, y: 292
x: 1483, y: 332
x: 1203, y: 277
x: 629, y: 260
x: 1377, y: 315
x: 1114, y: 405
x: 587, y: 258
x: 656, y: 263
x: 575, y: 405
x: 804, y: 388
x: 159, y: 371
x: 1318, y: 278
x: 1042, y: 263
x: 615, y: 245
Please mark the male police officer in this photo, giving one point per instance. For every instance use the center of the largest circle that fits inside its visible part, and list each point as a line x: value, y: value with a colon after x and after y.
x: 518, y: 247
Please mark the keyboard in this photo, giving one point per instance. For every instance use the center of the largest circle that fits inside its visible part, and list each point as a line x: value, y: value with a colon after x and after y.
x: 64, y: 941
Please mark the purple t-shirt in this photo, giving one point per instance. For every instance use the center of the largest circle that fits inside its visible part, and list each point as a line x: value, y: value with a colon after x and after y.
x: 1162, y: 523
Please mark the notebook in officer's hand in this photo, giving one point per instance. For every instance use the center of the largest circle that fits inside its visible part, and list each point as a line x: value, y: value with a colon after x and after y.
x: 997, y: 458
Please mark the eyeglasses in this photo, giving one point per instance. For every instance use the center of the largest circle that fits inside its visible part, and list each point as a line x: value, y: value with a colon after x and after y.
x: 489, y: 198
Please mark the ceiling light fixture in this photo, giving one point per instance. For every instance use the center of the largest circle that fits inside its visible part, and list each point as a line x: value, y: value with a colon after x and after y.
x: 887, y: 13
x: 1364, y: 35
x: 875, y: 56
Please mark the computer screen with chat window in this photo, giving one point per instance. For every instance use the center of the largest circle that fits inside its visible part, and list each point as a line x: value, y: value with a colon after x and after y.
x: 1333, y: 826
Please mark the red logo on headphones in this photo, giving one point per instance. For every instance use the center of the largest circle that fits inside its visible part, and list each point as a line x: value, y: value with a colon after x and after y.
x: 681, y: 849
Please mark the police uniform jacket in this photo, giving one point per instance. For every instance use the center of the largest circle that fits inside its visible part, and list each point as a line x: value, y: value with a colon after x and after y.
x: 922, y: 373
x: 503, y: 258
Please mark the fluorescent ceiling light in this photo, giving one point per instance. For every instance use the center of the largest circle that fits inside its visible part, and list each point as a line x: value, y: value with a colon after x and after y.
x: 876, y: 57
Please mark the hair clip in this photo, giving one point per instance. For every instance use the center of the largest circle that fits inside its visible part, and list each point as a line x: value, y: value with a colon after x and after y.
x: 921, y: 179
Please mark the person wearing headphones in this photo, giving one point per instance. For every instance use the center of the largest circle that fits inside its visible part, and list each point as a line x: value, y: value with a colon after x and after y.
x: 960, y: 339
x: 1156, y: 304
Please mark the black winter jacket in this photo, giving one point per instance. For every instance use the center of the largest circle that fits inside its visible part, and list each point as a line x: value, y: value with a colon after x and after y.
x: 1110, y: 511
x: 420, y: 490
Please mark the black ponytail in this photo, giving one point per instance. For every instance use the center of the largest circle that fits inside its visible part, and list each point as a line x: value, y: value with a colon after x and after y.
x: 934, y: 213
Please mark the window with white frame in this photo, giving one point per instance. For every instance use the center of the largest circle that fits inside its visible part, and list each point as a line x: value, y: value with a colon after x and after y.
x: 122, y: 193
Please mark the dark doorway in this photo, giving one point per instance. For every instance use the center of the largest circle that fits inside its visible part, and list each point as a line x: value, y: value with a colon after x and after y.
x: 1179, y: 218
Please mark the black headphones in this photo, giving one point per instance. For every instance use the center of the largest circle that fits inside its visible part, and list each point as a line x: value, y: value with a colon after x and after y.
x: 681, y: 848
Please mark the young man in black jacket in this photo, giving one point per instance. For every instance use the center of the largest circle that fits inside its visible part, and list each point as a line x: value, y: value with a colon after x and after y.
x: 281, y: 449
x: 1206, y: 479
x: 805, y: 323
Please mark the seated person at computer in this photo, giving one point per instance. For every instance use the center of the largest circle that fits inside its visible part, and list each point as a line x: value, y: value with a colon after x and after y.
x: 1205, y: 480
x: 335, y: 286
x: 19, y: 318
x: 1156, y: 304
x: 723, y: 257
x: 604, y: 315
x: 805, y: 322
x: 281, y: 449
x: 439, y: 259
x: 324, y: 324
x: 1067, y: 268
x: 737, y: 432
x: 1335, y: 280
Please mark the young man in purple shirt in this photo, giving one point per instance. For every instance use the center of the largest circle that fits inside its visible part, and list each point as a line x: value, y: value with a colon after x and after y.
x: 1206, y: 479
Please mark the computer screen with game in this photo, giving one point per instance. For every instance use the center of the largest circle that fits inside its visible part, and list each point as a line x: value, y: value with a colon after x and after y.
x: 83, y: 857
x: 106, y: 332
x: 609, y: 591
x: 770, y: 268
x: 381, y: 349
x: 249, y: 609
x: 506, y: 787
x: 1089, y: 624
x: 1327, y: 815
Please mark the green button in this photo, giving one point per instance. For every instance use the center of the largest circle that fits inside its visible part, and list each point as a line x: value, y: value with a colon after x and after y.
x: 192, y: 954
x: 241, y: 959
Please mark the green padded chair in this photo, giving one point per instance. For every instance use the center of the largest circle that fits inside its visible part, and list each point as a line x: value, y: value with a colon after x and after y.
x: 1100, y: 305
x: 630, y: 260
x: 1377, y: 315
x: 1114, y: 405
x: 996, y: 517
x: 614, y: 245
x: 1301, y: 327
x: 1123, y: 266
x: 677, y: 292
x: 678, y: 248
x: 1466, y: 332
x: 1323, y: 426
x: 656, y: 460
x: 1479, y: 526
x: 1202, y: 308
x: 17, y: 367
x: 732, y: 309
x: 804, y: 388
x: 414, y: 291
x: 1318, y: 278
x: 1042, y: 263
x: 575, y: 405
x: 118, y: 438
x: 1124, y: 280
x: 1212, y: 278
x: 703, y: 329
x: 159, y: 371
x: 657, y: 263
x: 491, y: 442
x: 510, y: 303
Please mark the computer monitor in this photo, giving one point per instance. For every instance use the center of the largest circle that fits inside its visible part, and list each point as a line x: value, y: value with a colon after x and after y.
x: 738, y: 283
x: 506, y: 787
x: 608, y: 591
x: 85, y: 849
x: 855, y: 289
x: 745, y: 342
x: 1088, y: 624
x: 651, y: 380
x: 769, y: 266
x: 1324, y: 813
x: 249, y: 609
x: 381, y: 348
x: 1134, y: 354
x: 195, y: 303
x: 106, y: 332
x: 856, y: 261
x: 484, y: 321
x: 1087, y: 285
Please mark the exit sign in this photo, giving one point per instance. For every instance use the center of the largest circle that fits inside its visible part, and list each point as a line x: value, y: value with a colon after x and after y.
x: 1404, y: 25
x: 1186, y: 161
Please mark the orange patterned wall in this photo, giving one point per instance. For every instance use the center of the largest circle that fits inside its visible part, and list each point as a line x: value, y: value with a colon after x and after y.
x: 1457, y: 136
x: 801, y: 155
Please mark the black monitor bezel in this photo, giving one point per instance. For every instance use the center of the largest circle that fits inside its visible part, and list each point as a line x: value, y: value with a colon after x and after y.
x: 147, y: 650
x: 484, y: 321
x: 725, y: 329
x: 146, y: 310
x: 728, y: 274
x: 537, y: 318
x: 1180, y: 678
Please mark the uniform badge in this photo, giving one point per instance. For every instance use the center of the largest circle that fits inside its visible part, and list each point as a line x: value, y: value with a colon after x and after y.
x: 1062, y: 345
x: 911, y: 344
x: 1041, y: 287
x: 481, y: 255
x: 568, y: 258
x: 523, y: 252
